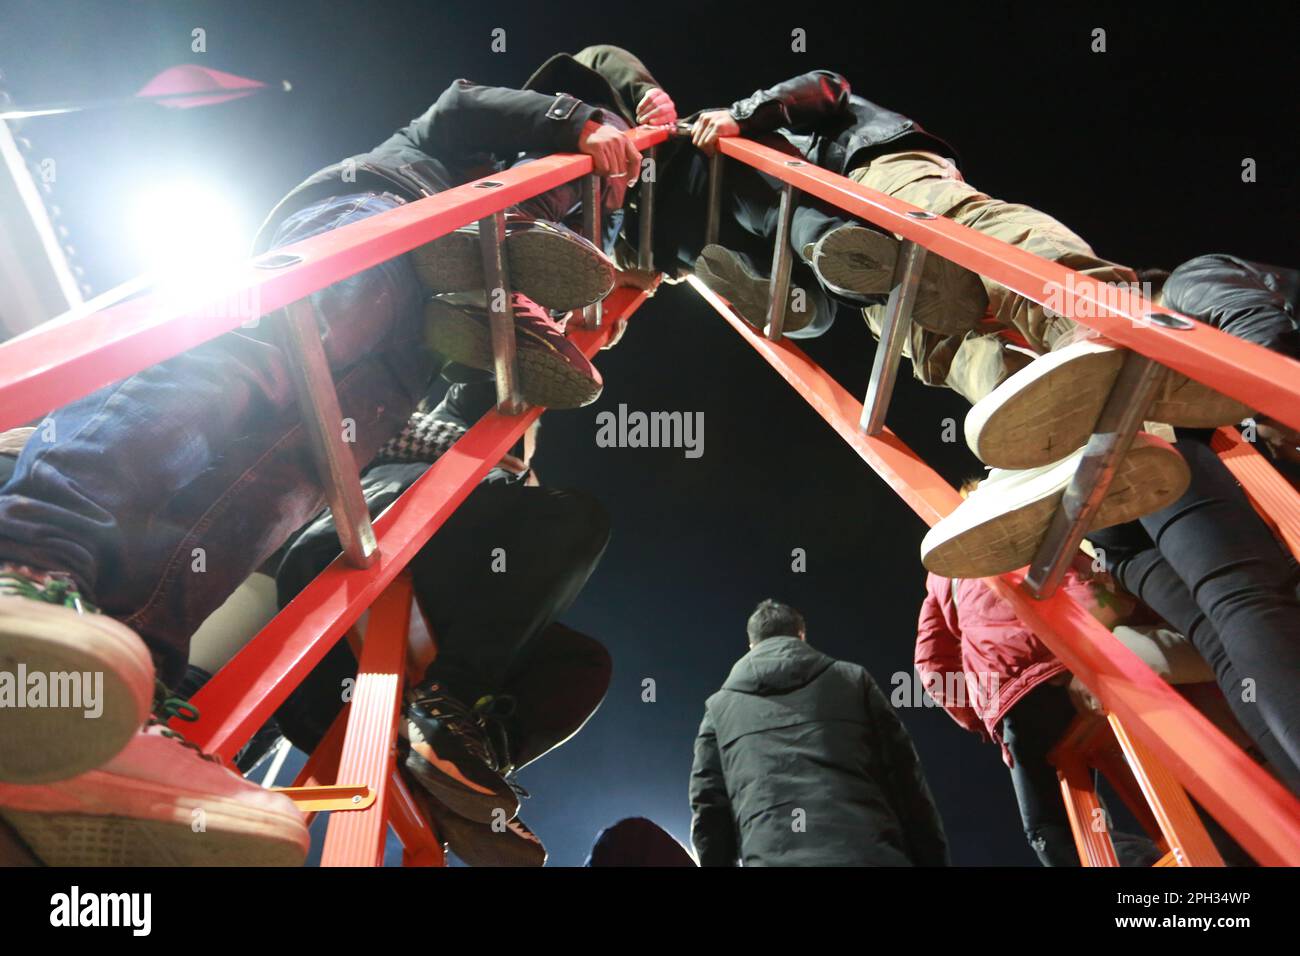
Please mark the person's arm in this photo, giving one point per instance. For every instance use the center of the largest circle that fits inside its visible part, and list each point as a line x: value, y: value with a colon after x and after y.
x: 938, y: 654
x: 1234, y: 297
x: 632, y: 82
x: 713, y: 832
x: 797, y: 103
x: 469, y: 120
x: 909, y: 794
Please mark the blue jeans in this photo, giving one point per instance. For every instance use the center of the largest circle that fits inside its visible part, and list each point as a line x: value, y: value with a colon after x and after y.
x: 162, y: 492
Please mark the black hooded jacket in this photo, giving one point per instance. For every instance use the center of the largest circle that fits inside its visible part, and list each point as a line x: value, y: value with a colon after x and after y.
x: 469, y: 131
x: 1254, y: 302
x: 800, y: 761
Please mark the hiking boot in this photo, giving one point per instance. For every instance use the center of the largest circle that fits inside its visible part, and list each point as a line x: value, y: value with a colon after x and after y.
x: 75, y: 685
x: 159, y: 802
x: 1000, y: 526
x: 502, y: 842
x: 857, y: 263
x: 553, y: 372
x: 552, y: 265
x: 1050, y: 407
x: 459, y: 753
x: 732, y: 276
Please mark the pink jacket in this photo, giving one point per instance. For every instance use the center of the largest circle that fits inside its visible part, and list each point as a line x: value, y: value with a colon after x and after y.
x: 975, y: 657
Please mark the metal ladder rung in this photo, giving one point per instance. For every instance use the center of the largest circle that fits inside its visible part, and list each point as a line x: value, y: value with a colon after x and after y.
x: 1120, y: 419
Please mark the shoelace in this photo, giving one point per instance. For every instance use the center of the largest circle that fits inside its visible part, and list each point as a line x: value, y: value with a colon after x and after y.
x: 165, y: 707
x: 472, y: 725
x: 49, y: 587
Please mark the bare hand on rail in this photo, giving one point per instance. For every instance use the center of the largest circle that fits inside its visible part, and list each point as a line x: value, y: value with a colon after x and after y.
x: 711, y: 126
x: 612, y: 154
x: 656, y: 109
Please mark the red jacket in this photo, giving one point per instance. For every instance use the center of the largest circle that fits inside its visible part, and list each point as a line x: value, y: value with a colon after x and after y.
x: 975, y: 658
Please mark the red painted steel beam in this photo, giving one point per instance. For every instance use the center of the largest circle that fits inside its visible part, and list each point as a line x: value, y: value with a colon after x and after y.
x: 1254, y: 807
x: 244, y: 693
x: 1250, y: 373
x: 47, y: 368
x: 356, y: 837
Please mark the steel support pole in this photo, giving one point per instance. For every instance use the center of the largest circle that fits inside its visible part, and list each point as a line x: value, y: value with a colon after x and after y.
x: 323, y: 422
x: 893, y: 333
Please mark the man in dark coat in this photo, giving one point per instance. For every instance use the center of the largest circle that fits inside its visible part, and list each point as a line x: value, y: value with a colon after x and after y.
x: 801, y: 762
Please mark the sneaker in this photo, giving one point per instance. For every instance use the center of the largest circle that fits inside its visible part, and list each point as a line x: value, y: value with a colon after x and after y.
x: 459, y: 754
x: 854, y: 262
x: 1000, y: 526
x: 553, y: 372
x: 731, y: 276
x: 500, y: 843
x: 552, y: 265
x: 1051, y: 406
x: 51, y: 639
x: 160, y: 802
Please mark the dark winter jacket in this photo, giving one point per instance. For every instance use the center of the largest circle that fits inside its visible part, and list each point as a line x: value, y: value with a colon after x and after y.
x: 470, y: 131
x: 820, y: 116
x: 800, y: 761
x: 1251, y: 301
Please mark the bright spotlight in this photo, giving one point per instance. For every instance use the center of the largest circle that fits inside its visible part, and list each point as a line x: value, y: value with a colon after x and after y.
x: 184, y: 229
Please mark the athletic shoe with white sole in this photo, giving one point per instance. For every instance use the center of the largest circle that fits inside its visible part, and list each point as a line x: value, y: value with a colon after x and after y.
x: 160, y: 802
x: 552, y: 265
x: 75, y: 685
x: 1051, y: 406
x: 731, y: 276
x: 854, y: 262
x: 1000, y: 526
x: 459, y: 753
x: 553, y: 372
x: 499, y: 843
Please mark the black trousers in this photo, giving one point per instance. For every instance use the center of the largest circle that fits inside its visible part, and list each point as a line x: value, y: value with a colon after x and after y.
x: 491, y: 583
x: 1210, y: 567
x: 1030, y: 730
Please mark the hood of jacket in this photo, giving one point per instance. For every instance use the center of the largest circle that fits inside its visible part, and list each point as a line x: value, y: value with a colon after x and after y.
x: 777, y: 665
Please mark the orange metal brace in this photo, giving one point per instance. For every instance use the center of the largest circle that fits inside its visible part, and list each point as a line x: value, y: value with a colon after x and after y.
x: 369, y: 748
x: 1259, y: 813
x: 1276, y: 500
x: 1146, y: 785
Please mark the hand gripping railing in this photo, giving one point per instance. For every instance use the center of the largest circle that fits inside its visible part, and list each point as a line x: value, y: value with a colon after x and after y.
x: 52, y: 366
x: 1257, y: 810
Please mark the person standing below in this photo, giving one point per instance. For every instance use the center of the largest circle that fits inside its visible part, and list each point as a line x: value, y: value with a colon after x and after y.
x: 801, y: 762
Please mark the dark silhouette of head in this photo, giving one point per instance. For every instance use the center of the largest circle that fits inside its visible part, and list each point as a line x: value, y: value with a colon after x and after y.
x: 774, y: 619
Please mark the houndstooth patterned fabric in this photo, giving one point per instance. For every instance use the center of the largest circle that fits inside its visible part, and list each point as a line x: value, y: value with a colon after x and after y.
x: 422, y: 438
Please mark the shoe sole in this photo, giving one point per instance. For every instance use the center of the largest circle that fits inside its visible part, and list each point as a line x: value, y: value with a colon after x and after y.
x: 443, y: 782
x: 744, y: 291
x: 1049, y: 409
x: 477, y: 844
x: 949, y: 299
x: 156, y: 830
x: 45, y: 744
x: 552, y: 270
x: 546, y: 378
x: 971, y: 543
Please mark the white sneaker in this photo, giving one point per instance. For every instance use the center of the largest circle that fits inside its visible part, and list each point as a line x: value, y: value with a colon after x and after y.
x: 1050, y: 408
x: 1000, y: 526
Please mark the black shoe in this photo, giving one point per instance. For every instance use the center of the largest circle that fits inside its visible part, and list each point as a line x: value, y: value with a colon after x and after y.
x: 731, y: 276
x: 459, y: 754
x: 499, y: 843
x: 854, y: 262
x: 552, y: 265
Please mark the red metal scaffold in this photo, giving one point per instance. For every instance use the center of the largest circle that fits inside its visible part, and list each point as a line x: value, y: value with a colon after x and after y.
x: 353, y: 771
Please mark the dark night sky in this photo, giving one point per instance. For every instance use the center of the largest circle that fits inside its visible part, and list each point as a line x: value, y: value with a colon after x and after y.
x: 1138, y: 149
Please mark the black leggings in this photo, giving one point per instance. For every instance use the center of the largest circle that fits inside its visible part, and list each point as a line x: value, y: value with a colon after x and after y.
x: 1210, y: 567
